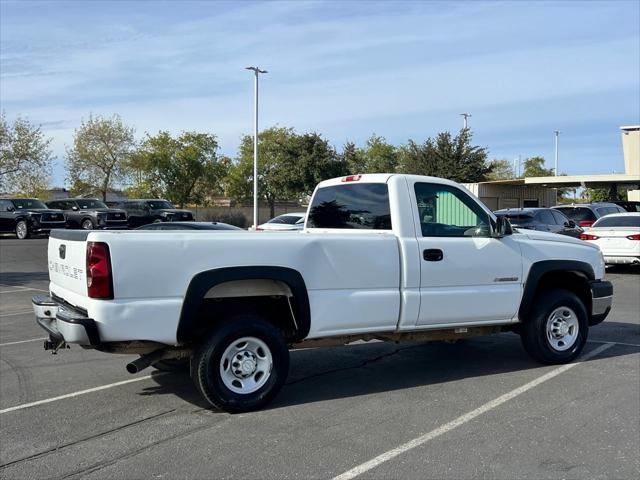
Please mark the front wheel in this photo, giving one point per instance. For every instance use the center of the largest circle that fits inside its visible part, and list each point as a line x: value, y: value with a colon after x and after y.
x: 556, y: 330
x: 242, y: 365
x: 22, y: 230
x: 87, y: 224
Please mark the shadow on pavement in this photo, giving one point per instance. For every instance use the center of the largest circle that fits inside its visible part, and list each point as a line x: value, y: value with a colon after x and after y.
x: 624, y: 269
x: 331, y: 373
x: 18, y: 279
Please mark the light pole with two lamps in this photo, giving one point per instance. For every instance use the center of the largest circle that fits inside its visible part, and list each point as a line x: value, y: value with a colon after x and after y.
x: 256, y: 72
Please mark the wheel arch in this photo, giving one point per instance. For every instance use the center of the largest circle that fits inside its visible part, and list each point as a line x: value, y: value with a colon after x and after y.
x: 572, y: 275
x: 212, y: 284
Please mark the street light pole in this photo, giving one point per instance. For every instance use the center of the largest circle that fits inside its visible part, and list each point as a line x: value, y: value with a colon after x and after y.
x: 555, y: 171
x: 256, y: 72
x: 466, y: 116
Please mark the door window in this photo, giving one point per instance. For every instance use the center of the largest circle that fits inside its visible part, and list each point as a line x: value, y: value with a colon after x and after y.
x: 560, y: 218
x: 446, y: 211
x: 546, y: 218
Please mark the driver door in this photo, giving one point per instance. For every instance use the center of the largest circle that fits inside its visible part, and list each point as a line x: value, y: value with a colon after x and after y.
x: 466, y: 275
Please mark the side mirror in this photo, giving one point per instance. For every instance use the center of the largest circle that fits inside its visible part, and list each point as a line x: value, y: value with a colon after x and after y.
x: 503, y: 227
x: 570, y: 224
x: 11, y: 208
x: 74, y: 208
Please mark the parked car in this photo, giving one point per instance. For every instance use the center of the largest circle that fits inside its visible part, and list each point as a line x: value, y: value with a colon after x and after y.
x: 90, y: 214
x: 618, y: 236
x: 628, y: 205
x: 28, y: 216
x: 585, y: 214
x: 285, y: 222
x: 384, y: 256
x: 189, y: 226
x: 142, y: 212
x: 543, y: 219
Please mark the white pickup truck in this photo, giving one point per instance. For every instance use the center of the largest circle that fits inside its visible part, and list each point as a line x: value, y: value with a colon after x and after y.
x: 390, y: 257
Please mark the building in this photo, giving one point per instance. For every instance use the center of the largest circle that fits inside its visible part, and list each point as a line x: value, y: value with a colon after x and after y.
x: 542, y: 191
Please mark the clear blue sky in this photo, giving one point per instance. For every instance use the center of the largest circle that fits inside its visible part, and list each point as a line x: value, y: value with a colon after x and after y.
x: 343, y: 69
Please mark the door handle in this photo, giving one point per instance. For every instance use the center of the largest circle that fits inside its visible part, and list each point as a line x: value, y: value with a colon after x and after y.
x: 432, y: 255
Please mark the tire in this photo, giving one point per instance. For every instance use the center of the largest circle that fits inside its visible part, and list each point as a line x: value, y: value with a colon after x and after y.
x: 87, y: 224
x: 242, y: 365
x: 22, y: 230
x: 556, y: 330
x: 173, y: 365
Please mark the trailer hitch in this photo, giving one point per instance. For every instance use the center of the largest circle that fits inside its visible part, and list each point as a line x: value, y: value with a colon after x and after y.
x: 55, y: 344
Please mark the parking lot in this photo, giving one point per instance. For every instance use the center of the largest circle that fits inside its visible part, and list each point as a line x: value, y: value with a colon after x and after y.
x: 478, y: 408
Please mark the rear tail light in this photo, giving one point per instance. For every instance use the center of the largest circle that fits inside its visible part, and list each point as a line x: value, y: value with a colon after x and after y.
x: 586, y: 236
x: 99, y: 278
x: 634, y: 237
x: 352, y: 178
x: 586, y: 223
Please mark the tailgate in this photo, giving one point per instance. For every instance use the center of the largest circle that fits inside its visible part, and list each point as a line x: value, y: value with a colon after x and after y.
x: 67, y: 259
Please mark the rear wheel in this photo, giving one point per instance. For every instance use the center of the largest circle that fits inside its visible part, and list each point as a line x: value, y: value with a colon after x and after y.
x: 242, y: 365
x: 22, y: 230
x: 556, y: 330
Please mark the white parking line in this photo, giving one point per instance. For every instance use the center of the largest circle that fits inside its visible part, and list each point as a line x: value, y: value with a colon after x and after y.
x: 76, y: 394
x: 616, y: 343
x: 467, y: 417
x: 15, y: 313
x: 22, y: 341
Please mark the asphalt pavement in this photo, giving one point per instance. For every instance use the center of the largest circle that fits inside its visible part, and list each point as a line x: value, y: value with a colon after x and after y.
x: 474, y: 409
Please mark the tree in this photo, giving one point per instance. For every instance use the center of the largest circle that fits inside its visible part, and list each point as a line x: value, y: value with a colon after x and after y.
x: 534, y: 167
x: 184, y: 170
x: 613, y: 193
x: 313, y: 160
x: 100, y: 156
x: 379, y: 156
x: 275, y: 167
x: 447, y: 157
x: 25, y: 157
x: 353, y: 158
x: 501, y: 170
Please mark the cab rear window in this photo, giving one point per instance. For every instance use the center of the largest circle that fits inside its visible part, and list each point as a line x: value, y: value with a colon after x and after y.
x: 362, y: 206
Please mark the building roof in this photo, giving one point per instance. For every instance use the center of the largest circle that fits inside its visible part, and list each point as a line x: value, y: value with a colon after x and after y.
x: 591, y: 181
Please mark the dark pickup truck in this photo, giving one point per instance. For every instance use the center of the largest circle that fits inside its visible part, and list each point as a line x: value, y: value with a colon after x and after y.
x: 90, y: 214
x: 142, y: 212
x: 28, y: 216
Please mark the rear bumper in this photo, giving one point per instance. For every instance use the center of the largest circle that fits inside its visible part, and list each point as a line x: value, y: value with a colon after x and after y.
x: 621, y: 259
x: 64, y: 323
x: 601, y: 300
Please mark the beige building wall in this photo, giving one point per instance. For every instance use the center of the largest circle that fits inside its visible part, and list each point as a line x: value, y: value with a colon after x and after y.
x: 497, y: 196
x: 631, y: 149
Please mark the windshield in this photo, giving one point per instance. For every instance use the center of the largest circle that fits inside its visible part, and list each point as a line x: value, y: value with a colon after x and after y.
x: 90, y: 203
x: 159, y: 204
x: 624, y: 221
x: 29, y: 203
x: 286, y: 219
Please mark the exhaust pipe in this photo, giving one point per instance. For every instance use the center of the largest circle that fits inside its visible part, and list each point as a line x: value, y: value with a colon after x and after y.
x: 148, y: 359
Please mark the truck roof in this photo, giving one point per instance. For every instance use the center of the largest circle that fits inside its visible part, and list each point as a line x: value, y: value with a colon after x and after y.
x: 383, y: 178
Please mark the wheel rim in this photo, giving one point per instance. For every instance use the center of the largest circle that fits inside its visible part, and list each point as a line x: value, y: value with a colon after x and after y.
x: 245, y: 365
x: 87, y: 225
x: 21, y: 230
x: 562, y: 329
